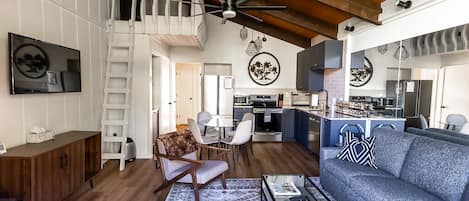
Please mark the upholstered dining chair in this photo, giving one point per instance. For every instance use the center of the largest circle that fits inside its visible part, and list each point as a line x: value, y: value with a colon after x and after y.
x: 240, y: 139
x: 202, y: 119
x: 177, y: 153
x: 455, y: 122
x: 465, y: 129
x: 203, y: 140
x: 423, y: 122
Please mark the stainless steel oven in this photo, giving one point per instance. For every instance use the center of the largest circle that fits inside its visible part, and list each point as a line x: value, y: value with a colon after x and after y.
x: 268, y: 124
x: 268, y: 121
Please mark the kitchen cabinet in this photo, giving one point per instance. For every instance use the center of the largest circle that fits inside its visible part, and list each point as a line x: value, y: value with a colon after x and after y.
x: 301, y: 127
x: 358, y: 60
x: 239, y: 111
x: 397, y: 125
x: 325, y: 55
x: 312, y: 62
x: 52, y: 170
x: 288, y: 125
x: 331, y: 130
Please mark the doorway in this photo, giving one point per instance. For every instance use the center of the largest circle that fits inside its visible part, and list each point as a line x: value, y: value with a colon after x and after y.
x: 188, y: 92
x: 454, y: 98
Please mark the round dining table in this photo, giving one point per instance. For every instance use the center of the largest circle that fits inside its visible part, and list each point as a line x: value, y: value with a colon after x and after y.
x: 222, y: 123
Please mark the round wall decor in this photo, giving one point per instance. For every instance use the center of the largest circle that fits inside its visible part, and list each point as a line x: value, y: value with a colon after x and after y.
x: 31, y: 61
x: 361, y: 76
x: 264, y: 68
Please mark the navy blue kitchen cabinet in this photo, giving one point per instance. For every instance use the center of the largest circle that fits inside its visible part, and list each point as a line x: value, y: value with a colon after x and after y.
x: 392, y: 124
x: 238, y: 112
x: 331, y: 130
x: 301, y: 127
x: 288, y: 125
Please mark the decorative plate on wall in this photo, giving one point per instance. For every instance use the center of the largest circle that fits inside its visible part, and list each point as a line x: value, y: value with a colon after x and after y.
x: 361, y: 76
x: 264, y: 68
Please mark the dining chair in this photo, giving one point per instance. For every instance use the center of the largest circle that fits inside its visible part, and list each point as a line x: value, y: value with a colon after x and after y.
x: 455, y: 122
x: 202, y: 119
x: 178, y: 158
x: 240, y: 139
x: 423, y: 122
x: 465, y: 129
x: 203, y: 140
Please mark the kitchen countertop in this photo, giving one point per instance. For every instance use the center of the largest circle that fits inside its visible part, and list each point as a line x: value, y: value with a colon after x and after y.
x: 337, y: 116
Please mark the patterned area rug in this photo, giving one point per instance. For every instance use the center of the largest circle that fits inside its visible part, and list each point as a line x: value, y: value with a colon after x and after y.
x: 237, y: 190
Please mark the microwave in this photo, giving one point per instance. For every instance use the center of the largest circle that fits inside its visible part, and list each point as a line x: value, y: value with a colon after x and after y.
x: 241, y: 100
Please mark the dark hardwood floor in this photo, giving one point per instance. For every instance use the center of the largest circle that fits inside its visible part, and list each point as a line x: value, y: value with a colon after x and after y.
x: 140, y: 178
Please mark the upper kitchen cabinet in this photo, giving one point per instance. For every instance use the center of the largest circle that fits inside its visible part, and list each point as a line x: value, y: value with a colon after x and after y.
x: 358, y: 60
x: 307, y: 79
x: 325, y: 55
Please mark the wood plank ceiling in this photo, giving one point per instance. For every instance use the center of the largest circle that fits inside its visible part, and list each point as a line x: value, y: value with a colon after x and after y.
x: 305, y: 19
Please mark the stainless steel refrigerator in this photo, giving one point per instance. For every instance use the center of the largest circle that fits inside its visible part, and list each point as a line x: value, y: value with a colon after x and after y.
x: 218, y: 95
x: 414, y: 98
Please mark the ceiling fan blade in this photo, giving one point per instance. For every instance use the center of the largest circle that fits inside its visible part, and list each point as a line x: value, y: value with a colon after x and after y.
x: 190, y: 2
x: 272, y: 7
x: 251, y: 16
x: 240, y: 2
x: 223, y: 21
x: 210, y: 12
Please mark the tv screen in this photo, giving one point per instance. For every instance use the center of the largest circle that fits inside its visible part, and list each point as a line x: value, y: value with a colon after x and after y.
x: 41, y: 67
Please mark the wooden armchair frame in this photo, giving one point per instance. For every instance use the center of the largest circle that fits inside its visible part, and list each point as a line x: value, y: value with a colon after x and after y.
x: 195, y: 164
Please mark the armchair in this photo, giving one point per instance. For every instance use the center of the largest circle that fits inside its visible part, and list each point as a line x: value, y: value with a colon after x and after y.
x: 184, y: 167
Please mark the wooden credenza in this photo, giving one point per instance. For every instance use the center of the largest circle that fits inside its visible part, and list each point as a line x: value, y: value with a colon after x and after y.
x: 52, y: 170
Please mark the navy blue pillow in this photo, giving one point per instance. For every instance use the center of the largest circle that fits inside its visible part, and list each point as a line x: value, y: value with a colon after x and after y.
x: 358, y: 151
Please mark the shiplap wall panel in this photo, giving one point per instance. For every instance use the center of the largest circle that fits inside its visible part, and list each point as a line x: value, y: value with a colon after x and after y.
x: 69, y: 23
x: 69, y: 4
x: 69, y: 29
x: 82, y: 8
x: 56, y: 112
x: 86, y: 81
x: 53, y: 27
x: 31, y: 18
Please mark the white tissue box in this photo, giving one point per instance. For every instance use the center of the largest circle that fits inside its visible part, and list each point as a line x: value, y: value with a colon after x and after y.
x: 40, y: 137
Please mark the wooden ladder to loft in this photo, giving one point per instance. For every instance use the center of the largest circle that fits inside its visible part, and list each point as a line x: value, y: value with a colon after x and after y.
x: 117, y: 91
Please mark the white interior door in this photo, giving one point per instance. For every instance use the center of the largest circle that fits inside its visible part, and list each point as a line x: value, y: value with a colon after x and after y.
x: 455, y: 92
x: 172, y: 97
x: 164, y: 93
x: 184, y: 92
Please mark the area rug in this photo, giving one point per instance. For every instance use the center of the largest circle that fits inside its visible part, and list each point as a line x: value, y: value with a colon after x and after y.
x: 237, y: 190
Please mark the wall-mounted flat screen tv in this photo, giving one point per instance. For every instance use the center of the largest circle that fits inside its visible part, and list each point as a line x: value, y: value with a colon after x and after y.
x: 41, y: 67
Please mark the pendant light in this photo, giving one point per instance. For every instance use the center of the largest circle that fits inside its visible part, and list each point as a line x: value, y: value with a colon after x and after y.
x: 252, y: 48
x: 243, y: 33
x: 258, y: 43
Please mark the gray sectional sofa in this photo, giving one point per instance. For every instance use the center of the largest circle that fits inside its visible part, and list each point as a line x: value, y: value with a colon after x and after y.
x: 410, y: 168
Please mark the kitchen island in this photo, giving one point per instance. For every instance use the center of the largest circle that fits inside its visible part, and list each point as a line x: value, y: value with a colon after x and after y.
x: 315, y: 129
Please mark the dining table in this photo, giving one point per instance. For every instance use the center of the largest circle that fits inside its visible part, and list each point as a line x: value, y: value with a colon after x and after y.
x: 221, y: 123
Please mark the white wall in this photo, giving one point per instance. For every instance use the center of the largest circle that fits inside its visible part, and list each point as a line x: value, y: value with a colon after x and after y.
x: 71, y: 23
x: 225, y: 46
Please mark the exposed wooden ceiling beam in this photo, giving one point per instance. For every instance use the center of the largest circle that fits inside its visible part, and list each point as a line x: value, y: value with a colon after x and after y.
x: 273, y: 31
x: 355, y: 9
x: 297, y: 19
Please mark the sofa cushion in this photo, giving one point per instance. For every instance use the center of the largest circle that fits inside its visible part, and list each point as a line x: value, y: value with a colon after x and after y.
x: 438, y: 167
x: 391, y: 149
x: 373, y: 188
x: 209, y: 170
x: 440, y: 134
x: 358, y: 151
x: 346, y: 170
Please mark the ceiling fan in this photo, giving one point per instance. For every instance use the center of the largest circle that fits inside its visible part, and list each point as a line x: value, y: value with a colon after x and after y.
x: 230, y: 8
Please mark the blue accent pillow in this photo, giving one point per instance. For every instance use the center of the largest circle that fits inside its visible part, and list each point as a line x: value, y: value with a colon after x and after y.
x: 358, y: 151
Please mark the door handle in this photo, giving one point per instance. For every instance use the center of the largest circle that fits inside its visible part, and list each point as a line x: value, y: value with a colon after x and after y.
x: 443, y: 107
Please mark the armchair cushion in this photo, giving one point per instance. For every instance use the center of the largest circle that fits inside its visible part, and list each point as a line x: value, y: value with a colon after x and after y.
x: 180, y: 143
x: 206, y: 172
